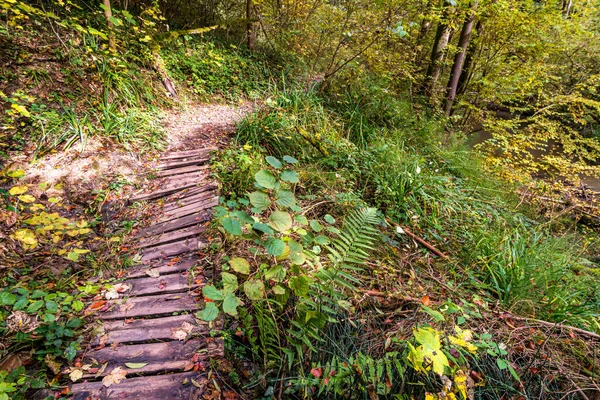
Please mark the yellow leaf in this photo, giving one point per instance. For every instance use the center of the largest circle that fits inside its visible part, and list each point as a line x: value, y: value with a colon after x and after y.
x: 17, y: 190
x: 84, y: 231
x: 27, y: 198
x: 81, y: 224
x: 21, y: 110
x: 73, y: 232
x: 76, y: 375
x: 26, y: 236
x: 460, y: 380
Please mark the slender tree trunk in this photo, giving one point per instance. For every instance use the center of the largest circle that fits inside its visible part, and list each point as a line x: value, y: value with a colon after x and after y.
x: 459, y: 59
x: 112, y: 44
x: 567, y: 9
x: 465, y: 77
x: 438, y: 52
x: 250, y: 25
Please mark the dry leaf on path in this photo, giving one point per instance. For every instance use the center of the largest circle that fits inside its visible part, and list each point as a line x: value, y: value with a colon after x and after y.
x: 76, y: 374
x: 183, y: 332
x: 153, y: 273
x: 115, y: 377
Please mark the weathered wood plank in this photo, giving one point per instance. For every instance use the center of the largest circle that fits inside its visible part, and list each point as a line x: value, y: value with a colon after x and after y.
x: 186, y: 201
x: 142, y: 330
x: 171, y: 185
x: 186, y: 153
x: 164, y: 387
x: 172, y: 236
x: 189, y: 209
x: 163, y: 284
x: 146, y: 306
x: 184, y: 162
x: 188, y: 245
x: 163, y: 227
x: 163, y: 267
x: 181, y: 171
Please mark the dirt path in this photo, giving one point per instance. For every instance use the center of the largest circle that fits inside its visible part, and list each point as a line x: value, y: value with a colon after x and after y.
x: 148, y: 333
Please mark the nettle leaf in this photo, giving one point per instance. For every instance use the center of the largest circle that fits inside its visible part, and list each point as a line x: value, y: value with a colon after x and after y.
x: 240, y: 265
x: 285, y: 198
x: 265, y: 179
x: 7, y: 299
x: 231, y: 303
x: 260, y: 200
x: 289, y: 176
x: 254, y: 289
x: 212, y: 293
x: 263, y: 228
x: 281, y: 221
x: 290, y: 159
x: 209, y: 313
x: 232, y: 226
x: 33, y: 307
x: 274, y: 246
x: 299, y: 284
x: 273, y: 162
x: 230, y: 282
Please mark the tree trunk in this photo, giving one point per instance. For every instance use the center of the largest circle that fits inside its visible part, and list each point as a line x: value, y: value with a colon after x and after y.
x: 465, y: 77
x: 438, y: 52
x: 459, y: 59
x: 567, y: 9
x: 112, y: 44
x: 250, y: 25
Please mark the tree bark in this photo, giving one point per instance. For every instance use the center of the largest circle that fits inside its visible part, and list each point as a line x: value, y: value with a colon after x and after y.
x: 465, y: 77
x: 459, y: 59
x: 250, y: 25
x: 112, y: 44
x: 438, y: 52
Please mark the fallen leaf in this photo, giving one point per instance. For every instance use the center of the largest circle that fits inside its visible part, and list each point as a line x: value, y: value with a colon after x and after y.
x: 316, y: 372
x: 183, y: 332
x: 115, y: 377
x: 153, y: 273
x: 76, y: 374
x: 135, y: 365
x: 97, y: 304
x: 426, y: 300
x: 53, y: 365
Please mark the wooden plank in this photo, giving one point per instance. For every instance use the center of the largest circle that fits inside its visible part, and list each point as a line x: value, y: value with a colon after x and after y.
x: 163, y: 268
x: 144, y: 306
x: 185, y: 162
x: 186, y: 153
x: 172, y: 236
x: 164, y: 387
x: 163, y: 227
x: 142, y: 330
x: 171, y: 185
x: 190, y: 244
x: 185, y: 201
x: 190, y: 209
x: 172, y: 356
x: 181, y: 171
x: 163, y: 284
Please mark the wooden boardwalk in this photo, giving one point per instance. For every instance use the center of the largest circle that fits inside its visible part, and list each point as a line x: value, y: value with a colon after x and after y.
x: 150, y: 334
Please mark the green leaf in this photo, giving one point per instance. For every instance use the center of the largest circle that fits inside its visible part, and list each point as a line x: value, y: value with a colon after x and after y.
x: 52, y: 306
x: 274, y: 246
x: 240, y: 265
x: 242, y: 216
x: 231, y: 303
x: 277, y: 273
x: 279, y: 290
x: 135, y: 365
x: 265, y: 179
x: 301, y: 219
x: 322, y: 240
x: 289, y: 176
x: 33, y: 307
x: 260, y: 200
x: 209, y: 313
x: 285, y: 198
x: 7, y: 299
x: 230, y: 282
x: 21, y: 303
x: 290, y: 159
x: 275, y: 163
x: 436, y: 315
x: 232, y: 226
x: 281, y: 221
x: 315, y: 225
x: 329, y: 219
x: 254, y: 289
x: 73, y: 256
x: 263, y: 228
x: 299, y: 284
x: 297, y: 258
x: 211, y: 292
x: 77, y: 305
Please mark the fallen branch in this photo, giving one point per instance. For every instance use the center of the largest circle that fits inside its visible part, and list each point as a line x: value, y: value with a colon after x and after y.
x: 556, y: 325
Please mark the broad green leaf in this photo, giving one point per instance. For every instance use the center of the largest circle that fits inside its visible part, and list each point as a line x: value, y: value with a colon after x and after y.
x: 299, y: 284
x: 274, y: 246
x: 231, y: 303
x: 77, y: 305
x: 263, y: 228
x: 290, y: 159
x: 51, y: 306
x: 7, y: 299
x: 436, y: 315
x: 322, y: 240
x: 260, y: 200
x: 254, y: 289
x: 276, y: 273
x: 211, y: 292
x: 209, y: 313
x: 285, y: 198
x: 297, y: 258
x: 329, y: 219
x: 278, y: 290
x: 232, y: 226
x: 289, y: 176
x: 265, y: 179
x: 275, y: 163
x: 35, y: 306
x: 240, y: 265
x: 315, y: 225
x: 301, y: 219
x: 230, y: 282
x: 281, y: 221
x: 242, y: 216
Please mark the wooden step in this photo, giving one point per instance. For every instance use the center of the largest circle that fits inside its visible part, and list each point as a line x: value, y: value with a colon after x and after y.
x: 171, y: 185
x: 163, y: 284
x: 164, y: 267
x: 184, y: 162
x: 187, y: 153
x: 163, y: 387
x: 191, y: 220
x: 207, y: 203
x: 163, y: 251
x: 181, y: 171
x: 143, y: 306
x: 172, y: 236
x: 186, y: 201
x: 143, y: 330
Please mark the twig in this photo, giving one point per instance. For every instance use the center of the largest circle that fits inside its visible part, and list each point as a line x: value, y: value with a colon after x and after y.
x: 425, y: 244
x: 556, y: 325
